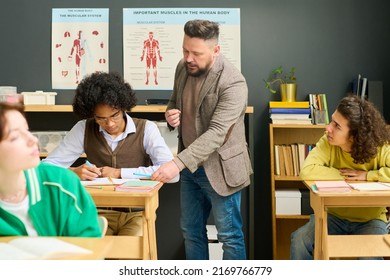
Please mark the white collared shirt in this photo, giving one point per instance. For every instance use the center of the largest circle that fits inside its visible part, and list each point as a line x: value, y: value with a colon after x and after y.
x: 72, y: 147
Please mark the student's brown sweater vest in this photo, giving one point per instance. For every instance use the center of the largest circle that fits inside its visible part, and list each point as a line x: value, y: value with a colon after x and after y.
x: 129, y: 153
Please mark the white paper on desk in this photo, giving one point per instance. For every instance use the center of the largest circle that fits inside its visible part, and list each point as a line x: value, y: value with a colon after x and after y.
x: 39, y: 248
x: 371, y: 186
x: 106, y: 181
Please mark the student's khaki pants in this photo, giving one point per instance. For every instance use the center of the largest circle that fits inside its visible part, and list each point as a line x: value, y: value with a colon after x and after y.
x: 123, y: 223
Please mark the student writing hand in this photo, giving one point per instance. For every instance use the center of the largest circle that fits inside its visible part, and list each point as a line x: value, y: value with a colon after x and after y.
x: 354, y: 175
x: 173, y: 117
x: 86, y: 172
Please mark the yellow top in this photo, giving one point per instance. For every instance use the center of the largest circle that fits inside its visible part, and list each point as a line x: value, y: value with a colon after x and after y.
x: 324, y: 162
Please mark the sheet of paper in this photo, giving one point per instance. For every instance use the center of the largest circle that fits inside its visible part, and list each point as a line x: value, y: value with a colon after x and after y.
x: 106, y: 181
x: 39, y: 248
x: 9, y: 252
x: 370, y: 186
x: 48, y: 247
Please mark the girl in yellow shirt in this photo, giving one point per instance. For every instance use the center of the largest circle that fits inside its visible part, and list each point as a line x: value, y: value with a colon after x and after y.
x: 355, y: 147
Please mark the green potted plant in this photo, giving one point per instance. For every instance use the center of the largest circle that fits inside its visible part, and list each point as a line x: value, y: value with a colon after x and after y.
x: 286, y: 82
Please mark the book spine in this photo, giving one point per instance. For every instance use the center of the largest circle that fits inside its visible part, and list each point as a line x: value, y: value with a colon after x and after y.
x: 364, y: 87
x: 290, y: 116
x: 325, y: 109
x: 283, y: 104
x: 354, y: 86
x: 358, y: 89
x: 281, y: 161
x: 277, y: 160
x: 289, y: 110
x: 292, y: 121
x: 319, y: 102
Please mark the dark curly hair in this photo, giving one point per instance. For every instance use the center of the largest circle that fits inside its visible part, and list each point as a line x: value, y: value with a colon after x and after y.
x: 366, y: 125
x: 102, y: 88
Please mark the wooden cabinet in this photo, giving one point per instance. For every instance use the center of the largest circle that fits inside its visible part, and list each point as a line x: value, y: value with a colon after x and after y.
x: 284, y: 225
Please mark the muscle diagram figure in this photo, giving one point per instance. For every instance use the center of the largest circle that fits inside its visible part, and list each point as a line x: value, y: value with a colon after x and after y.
x: 78, y: 49
x: 152, y: 49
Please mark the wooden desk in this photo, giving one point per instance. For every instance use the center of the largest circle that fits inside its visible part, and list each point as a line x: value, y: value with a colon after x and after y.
x: 351, y: 245
x: 108, y: 197
x: 99, y: 246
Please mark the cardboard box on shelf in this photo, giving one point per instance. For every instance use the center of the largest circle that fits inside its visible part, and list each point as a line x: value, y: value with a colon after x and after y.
x: 288, y: 202
x: 39, y: 98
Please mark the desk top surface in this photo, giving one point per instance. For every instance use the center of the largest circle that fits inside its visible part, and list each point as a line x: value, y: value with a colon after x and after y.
x: 110, y: 191
x: 352, y: 193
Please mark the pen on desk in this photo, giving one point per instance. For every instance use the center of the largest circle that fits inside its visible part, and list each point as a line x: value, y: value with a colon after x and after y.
x: 142, y: 174
x: 111, y: 181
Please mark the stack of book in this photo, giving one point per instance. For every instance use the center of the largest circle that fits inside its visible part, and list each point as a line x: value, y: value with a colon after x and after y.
x: 332, y: 186
x: 289, y: 158
x: 297, y: 112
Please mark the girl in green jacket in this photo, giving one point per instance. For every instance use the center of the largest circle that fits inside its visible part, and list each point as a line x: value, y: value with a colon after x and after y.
x: 38, y: 199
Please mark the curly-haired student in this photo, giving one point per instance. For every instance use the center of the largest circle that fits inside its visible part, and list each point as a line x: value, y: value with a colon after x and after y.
x: 116, y: 145
x: 355, y: 147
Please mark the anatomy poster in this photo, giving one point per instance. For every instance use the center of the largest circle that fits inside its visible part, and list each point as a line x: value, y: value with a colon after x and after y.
x: 79, y: 45
x: 153, y: 37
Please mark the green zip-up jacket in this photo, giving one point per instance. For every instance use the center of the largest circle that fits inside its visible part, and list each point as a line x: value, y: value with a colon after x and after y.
x: 58, y: 205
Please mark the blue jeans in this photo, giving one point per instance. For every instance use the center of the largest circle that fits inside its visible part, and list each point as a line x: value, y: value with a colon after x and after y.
x: 302, y: 240
x: 198, y: 198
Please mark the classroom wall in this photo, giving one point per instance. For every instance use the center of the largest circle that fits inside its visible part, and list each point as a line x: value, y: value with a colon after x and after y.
x: 328, y: 41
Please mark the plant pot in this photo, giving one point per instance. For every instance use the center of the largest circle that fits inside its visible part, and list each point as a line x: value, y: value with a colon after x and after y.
x: 288, y: 92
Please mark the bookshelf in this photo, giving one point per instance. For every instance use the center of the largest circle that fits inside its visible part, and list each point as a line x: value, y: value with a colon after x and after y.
x: 284, y: 225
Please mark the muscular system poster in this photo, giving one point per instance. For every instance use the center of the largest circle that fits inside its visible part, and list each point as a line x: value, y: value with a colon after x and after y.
x: 79, y: 45
x: 152, y: 42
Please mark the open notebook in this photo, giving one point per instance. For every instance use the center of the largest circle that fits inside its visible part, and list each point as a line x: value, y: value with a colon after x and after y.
x: 343, y: 186
x: 24, y: 248
x: 371, y: 186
